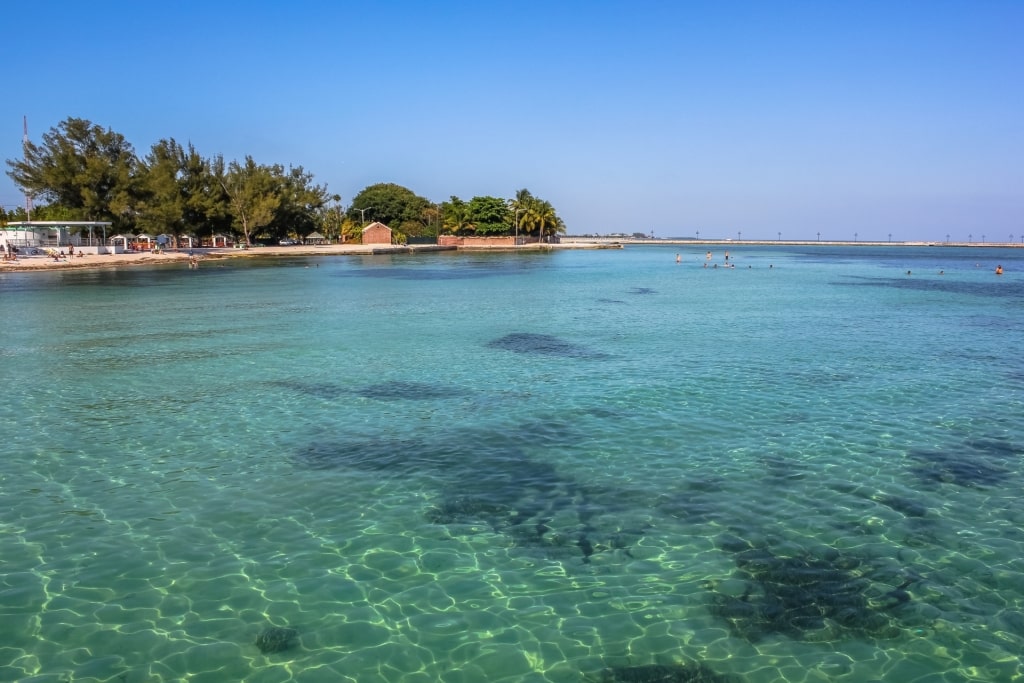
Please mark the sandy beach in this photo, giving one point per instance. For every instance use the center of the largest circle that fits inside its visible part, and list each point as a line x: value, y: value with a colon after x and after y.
x: 203, y: 256
x: 42, y: 262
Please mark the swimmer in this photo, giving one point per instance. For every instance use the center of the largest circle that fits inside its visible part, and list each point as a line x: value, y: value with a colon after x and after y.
x: 678, y: 259
x: 999, y: 270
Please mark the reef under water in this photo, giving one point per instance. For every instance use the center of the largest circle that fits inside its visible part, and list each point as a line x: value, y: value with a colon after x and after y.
x: 664, y: 673
x: 484, y: 479
x: 276, y: 639
x: 695, y: 501
x: 376, y: 455
x: 824, y: 596
x: 410, y: 391
x: 542, y: 344
x: 537, y: 508
x: 324, y: 390
x: 903, y: 505
x: 970, y: 470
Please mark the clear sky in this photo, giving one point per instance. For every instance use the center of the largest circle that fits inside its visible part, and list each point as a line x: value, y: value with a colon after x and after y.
x: 727, y: 118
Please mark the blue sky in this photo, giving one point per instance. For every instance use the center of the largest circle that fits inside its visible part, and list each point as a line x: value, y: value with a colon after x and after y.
x: 727, y: 118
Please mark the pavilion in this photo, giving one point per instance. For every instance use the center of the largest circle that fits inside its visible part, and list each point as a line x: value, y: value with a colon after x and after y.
x: 40, y: 235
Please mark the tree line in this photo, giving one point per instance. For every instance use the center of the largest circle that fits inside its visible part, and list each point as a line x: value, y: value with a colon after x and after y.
x: 81, y: 171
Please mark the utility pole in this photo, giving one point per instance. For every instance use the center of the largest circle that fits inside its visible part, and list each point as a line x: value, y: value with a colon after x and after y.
x: 24, y: 149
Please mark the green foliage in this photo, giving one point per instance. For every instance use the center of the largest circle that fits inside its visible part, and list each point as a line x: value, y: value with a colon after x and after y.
x: 81, y: 171
x: 395, y: 206
x: 300, y: 202
x: 41, y: 212
x: 351, y: 231
x: 15, y: 214
x: 537, y: 216
x: 433, y: 220
x: 253, y: 194
x: 456, y: 217
x: 206, y: 210
x: 161, y: 204
x: 489, y: 215
x: 329, y: 219
x: 82, y: 167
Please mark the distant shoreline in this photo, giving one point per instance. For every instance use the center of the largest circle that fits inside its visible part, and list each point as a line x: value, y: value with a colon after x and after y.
x: 785, y: 243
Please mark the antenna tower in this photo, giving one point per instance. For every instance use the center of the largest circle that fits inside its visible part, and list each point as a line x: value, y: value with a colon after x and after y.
x: 24, y: 148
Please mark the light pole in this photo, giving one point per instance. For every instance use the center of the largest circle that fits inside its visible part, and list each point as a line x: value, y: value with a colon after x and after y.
x: 854, y: 237
x: 947, y: 238
x: 780, y: 236
x: 362, y: 214
x: 739, y: 236
x: 819, y: 236
x: 969, y: 238
x: 337, y: 213
x: 983, y: 239
x: 698, y: 235
x: 518, y: 209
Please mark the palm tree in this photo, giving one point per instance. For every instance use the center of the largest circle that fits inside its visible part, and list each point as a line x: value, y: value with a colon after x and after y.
x: 456, y: 217
x: 522, y: 200
x: 541, y: 216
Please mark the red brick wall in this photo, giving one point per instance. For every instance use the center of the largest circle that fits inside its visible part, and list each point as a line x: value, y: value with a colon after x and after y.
x: 377, y: 234
x: 456, y: 241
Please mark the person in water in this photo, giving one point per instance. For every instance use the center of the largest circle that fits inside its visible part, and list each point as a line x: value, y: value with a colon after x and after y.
x: 999, y: 270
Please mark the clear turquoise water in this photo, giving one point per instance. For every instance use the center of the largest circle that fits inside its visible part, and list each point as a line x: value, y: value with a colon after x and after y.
x: 513, y: 467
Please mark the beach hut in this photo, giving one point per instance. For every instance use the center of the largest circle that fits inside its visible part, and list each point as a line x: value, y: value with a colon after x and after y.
x: 376, y: 233
x: 315, y: 238
x: 143, y: 241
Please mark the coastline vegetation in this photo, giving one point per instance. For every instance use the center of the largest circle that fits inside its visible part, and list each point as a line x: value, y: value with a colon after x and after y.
x: 83, y: 172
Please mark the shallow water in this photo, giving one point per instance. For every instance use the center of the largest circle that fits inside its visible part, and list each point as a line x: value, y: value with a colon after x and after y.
x: 516, y: 467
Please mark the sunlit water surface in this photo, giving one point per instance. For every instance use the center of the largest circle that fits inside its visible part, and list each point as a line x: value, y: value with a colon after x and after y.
x: 568, y: 466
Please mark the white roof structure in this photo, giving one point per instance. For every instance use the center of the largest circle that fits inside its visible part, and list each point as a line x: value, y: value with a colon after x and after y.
x: 22, y: 225
x: 61, y: 228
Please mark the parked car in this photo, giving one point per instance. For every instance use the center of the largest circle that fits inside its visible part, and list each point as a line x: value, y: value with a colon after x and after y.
x: 287, y: 243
